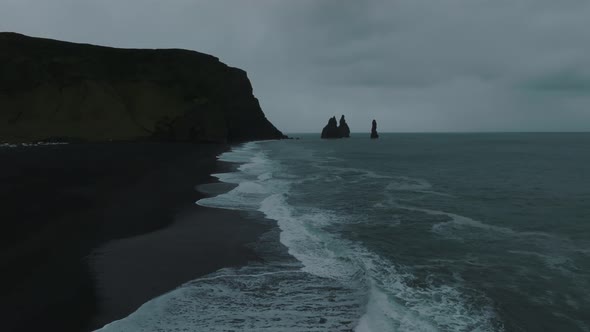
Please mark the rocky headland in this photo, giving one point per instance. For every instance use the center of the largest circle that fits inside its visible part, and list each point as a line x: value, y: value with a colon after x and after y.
x: 64, y: 205
x: 60, y: 91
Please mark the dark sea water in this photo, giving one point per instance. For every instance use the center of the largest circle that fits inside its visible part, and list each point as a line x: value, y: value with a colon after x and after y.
x: 411, y: 232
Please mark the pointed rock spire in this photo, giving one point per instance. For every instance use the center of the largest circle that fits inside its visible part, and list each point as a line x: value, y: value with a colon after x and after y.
x: 331, y: 129
x: 374, y: 133
x: 343, y: 128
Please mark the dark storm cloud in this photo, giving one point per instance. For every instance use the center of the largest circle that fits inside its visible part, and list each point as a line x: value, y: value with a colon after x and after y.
x: 414, y: 65
x: 575, y: 80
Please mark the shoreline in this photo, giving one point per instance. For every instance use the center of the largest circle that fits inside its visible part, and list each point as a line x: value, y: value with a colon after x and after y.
x: 200, y: 241
x: 81, y: 222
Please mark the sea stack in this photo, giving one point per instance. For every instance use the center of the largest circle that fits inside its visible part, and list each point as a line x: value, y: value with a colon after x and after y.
x: 374, y: 130
x: 333, y: 130
x: 343, y: 129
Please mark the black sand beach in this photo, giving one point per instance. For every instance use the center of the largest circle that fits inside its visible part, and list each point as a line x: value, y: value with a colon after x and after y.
x: 92, y: 231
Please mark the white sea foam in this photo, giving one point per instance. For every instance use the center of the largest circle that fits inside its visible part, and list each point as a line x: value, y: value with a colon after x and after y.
x: 320, y: 254
x: 550, y: 249
x: 249, y: 299
x: 360, y: 172
x: 241, y: 154
x: 396, y: 303
x: 393, y: 304
x: 456, y: 221
x: 25, y: 145
x: 265, y: 176
x: 339, y: 284
x: 391, y: 301
x: 553, y: 261
x: 404, y: 183
x: 251, y: 178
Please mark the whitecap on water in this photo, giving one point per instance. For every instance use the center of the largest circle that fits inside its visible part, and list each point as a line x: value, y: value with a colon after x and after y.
x: 250, y: 299
x: 337, y: 284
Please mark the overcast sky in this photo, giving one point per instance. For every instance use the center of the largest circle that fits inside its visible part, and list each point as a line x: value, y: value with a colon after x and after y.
x: 414, y: 65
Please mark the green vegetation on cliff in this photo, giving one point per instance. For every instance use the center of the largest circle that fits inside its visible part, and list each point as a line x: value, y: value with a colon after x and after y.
x: 59, y: 90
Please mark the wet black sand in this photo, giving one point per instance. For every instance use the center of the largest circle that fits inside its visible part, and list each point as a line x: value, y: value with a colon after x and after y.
x: 92, y: 231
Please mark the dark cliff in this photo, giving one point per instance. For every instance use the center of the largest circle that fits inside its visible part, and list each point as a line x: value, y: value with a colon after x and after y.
x: 59, y: 90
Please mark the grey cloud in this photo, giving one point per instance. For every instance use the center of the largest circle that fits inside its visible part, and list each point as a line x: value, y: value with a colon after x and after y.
x: 575, y: 80
x: 415, y: 65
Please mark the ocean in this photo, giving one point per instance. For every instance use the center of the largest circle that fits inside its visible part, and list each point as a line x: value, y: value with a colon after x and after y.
x: 410, y: 232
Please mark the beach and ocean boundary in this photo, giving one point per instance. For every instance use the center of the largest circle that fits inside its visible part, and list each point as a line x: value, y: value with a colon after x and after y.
x: 92, y: 231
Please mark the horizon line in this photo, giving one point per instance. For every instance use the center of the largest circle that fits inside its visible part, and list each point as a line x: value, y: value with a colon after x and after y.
x: 453, y: 132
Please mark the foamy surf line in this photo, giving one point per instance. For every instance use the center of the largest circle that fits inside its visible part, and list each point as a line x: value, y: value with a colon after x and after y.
x: 277, y: 297
x: 27, y: 145
x: 318, y: 250
x: 377, y: 282
x: 338, y: 284
x: 259, y: 189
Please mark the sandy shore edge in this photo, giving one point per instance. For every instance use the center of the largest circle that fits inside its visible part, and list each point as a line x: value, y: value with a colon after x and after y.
x: 92, y: 231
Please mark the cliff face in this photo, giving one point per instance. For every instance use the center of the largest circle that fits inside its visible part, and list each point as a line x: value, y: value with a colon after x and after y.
x: 58, y: 90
